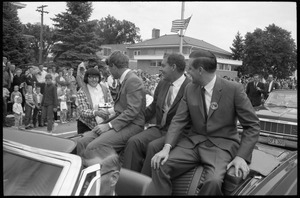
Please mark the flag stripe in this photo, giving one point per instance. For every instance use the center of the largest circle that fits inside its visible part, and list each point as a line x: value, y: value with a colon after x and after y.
x: 180, y: 24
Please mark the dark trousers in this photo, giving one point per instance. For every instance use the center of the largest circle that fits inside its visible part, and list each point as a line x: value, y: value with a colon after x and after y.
x: 81, y: 127
x: 4, y: 102
x: 153, y: 147
x: 28, y: 114
x: 42, y: 85
x: 117, y: 140
x: 213, y: 159
x: 136, y: 149
x: 47, y: 112
x: 37, y: 116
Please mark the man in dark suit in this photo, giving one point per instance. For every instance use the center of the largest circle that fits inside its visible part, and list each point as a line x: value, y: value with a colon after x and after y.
x: 130, y: 105
x: 254, y: 91
x: 213, y: 142
x: 270, y: 85
x: 172, y: 84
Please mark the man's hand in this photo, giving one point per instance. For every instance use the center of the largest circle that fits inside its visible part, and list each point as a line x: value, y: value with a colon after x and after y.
x: 161, y: 157
x: 103, y: 114
x: 239, y: 163
x: 101, y: 128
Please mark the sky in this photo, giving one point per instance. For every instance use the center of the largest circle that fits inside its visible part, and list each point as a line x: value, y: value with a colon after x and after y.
x: 216, y: 23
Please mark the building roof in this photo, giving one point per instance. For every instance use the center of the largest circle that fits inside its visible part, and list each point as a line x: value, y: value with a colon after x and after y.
x: 174, y: 40
x: 121, y: 47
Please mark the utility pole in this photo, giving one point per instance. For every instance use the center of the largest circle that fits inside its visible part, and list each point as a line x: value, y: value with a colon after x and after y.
x: 41, y: 9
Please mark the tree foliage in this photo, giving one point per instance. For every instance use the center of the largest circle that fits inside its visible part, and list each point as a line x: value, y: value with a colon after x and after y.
x: 270, y: 51
x: 34, y: 30
x: 75, y: 37
x: 14, y: 44
x: 238, y: 51
x: 238, y: 47
x: 114, y: 31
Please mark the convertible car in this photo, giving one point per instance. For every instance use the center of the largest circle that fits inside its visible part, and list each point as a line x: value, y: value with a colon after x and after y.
x: 38, y: 164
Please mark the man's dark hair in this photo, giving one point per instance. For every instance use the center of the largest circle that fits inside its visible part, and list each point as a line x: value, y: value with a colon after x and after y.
x: 119, y: 59
x: 108, y: 155
x: 176, y: 59
x: 205, y: 59
x: 91, y: 72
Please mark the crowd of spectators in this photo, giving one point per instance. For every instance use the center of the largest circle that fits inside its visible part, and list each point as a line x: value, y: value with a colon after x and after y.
x: 17, y: 82
x: 288, y: 83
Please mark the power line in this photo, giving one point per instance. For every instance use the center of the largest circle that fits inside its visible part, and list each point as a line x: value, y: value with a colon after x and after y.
x: 41, y: 10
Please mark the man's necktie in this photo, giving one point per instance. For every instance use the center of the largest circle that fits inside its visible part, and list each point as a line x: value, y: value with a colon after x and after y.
x: 167, y: 105
x: 203, y: 102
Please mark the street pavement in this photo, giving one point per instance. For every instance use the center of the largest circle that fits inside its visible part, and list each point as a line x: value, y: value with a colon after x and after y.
x: 61, y: 130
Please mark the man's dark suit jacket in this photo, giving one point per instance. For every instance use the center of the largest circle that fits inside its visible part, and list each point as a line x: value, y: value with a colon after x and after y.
x: 253, y: 94
x: 156, y: 107
x: 229, y: 102
x: 130, y: 103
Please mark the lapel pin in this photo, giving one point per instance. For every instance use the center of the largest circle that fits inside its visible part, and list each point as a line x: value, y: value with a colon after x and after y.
x: 214, y: 105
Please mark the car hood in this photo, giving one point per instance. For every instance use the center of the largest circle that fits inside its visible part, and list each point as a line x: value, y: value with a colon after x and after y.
x: 278, y: 113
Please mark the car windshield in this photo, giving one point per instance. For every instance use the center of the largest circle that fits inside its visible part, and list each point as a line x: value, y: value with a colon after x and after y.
x: 282, y: 99
x: 26, y: 176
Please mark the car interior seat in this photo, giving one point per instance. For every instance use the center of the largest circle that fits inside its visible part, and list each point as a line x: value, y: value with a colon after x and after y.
x: 132, y: 183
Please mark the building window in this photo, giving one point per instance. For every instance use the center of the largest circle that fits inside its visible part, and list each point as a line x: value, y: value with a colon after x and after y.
x: 137, y: 52
x: 106, y: 51
x: 155, y: 63
x: 224, y: 67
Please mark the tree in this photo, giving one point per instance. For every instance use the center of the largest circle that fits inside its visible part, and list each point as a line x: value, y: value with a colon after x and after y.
x: 114, y: 31
x: 33, y: 30
x: 14, y: 44
x: 74, y: 36
x: 238, y: 52
x: 238, y: 47
x: 270, y: 51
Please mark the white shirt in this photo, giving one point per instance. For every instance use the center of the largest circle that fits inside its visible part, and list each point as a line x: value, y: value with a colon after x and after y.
x: 208, y: 92
x: 123, y: 75
x: 96, y: 95
x: 176, y: 86
x: 39, y: 97
x: 41, y: 77
x: 270, y: 86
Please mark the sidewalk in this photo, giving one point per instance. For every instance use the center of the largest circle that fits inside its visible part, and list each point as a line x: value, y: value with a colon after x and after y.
x: 60, y: 129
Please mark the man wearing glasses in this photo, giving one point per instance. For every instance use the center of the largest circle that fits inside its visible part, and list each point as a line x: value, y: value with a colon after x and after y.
x: 107, y: 157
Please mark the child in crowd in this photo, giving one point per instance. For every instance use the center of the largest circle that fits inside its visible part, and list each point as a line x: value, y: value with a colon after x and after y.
x: 49, y: 103
x: 69, y: 103
x: 37, y: 112
x: 15, y: 93
x: 18, y: 111
x: 29, y: 106
x: 62, y: 96
x: 4, y: 102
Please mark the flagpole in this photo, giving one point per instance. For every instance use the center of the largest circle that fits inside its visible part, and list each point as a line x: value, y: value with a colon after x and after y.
x: 181, y: 31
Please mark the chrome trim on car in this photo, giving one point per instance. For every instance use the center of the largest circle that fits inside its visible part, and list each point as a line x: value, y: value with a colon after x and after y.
x: 71, y: 164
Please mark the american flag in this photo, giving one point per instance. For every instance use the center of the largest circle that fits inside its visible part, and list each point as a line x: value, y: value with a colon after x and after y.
x: 180, y: 24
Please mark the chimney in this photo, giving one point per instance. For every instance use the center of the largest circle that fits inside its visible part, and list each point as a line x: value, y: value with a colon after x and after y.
x: 155, y: 33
